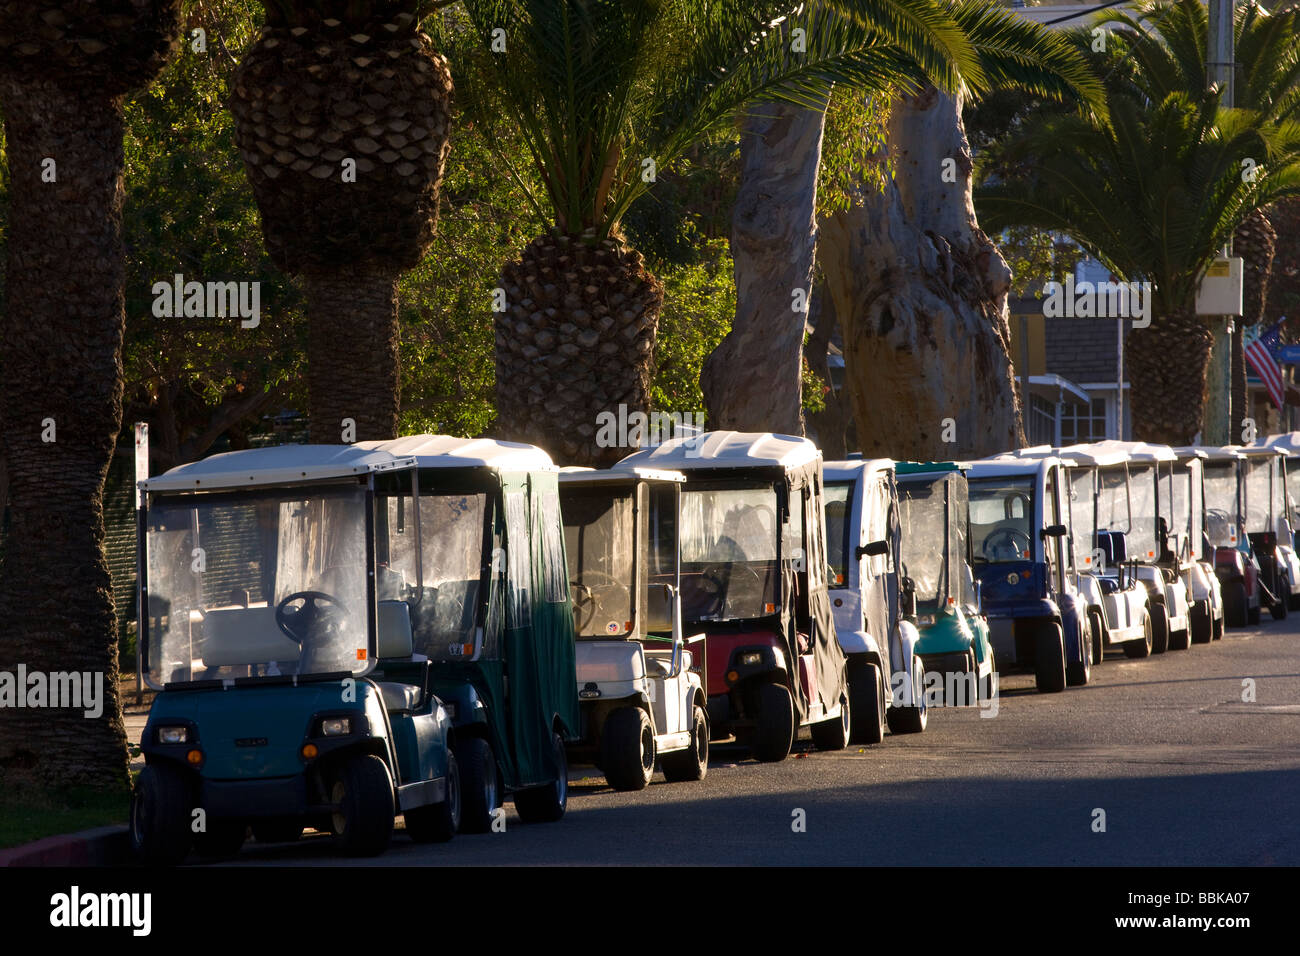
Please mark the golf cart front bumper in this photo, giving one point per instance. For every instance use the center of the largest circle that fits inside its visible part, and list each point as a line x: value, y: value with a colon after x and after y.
x: 274, y: 797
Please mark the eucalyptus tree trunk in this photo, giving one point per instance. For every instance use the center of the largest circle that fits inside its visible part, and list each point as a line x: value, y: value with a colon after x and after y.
x: 921, y: 296
x: 752, y: 381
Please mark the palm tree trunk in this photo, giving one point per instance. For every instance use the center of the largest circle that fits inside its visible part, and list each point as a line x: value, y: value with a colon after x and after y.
x: 752, y: 380
x: 921, y: 295
x: 352, y: 361
x: 1167, y: 364
x: 62, y: 336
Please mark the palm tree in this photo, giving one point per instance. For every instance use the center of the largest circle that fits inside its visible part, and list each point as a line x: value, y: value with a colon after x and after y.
x: 342, y: 119
x: 607, y: 93
x: 1154, y: 196
x: 65, y: 68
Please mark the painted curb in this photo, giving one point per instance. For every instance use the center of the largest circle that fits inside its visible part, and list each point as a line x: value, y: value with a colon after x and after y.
x: 102, y: 846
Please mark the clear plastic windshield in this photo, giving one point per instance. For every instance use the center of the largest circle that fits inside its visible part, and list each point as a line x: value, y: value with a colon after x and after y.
x: 598, y: 532
x: 729, y: 553
x: 924, y: 527
x: 1221, y: 503
x: 444, y: 612
x: 1293, y: 492
x: 1082, y: 511
x: 839, y: 508
x: 1142, y: 539
x: 1002, y: 519
x: 257, y: 584
x: 1258, y: 494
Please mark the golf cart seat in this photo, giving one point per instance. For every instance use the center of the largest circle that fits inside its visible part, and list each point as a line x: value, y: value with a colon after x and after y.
x: 395, y: 644
x: 237, y: 636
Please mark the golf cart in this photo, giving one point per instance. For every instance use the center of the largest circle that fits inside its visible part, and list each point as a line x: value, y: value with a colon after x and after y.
x: 753, y: 573
x: 1288, y: 525
x: 1019, y: 528
x: 1187, y: 505
x: 1267, y: 527
x: 868, y: 598
x: 1235, y: 564
x: 289, y: 693
x: 954, y: 634
x: 1116, y: 603
x: 639, y: 684
x: 494, y: 618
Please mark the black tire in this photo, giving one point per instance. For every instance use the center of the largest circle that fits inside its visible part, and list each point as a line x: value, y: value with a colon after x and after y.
x: 627, y: 749
x: 1049, y: 659
x: 1295, y: 601
x: 277, y: 830
x: 363, y: 792
x: 1235, y: 612
x: 1182, y: 640
x: 692, y: 763
x: 867, y: 698
x: 774, y: 724
x: 913, y: 718
x: 1098, y: 636
x: 547, y: 803
x: 1279, y: 609
x: 1159, y: 629
x: 1201, y: 626
x: 160, y: 815
x: 834, y: 734
x: 1142, y: 648
x: 221, y: 840
x: 480, y: 785
x: 1078, y: 674
x: 438, y: 822
x: 1252, y: 615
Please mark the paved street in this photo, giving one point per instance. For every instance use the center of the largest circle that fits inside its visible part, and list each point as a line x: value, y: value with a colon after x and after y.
x: 1185, y: 771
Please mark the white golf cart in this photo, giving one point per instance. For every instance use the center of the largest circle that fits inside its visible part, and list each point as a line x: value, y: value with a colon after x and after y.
x: 1235, y: 564
x: 886, y: 674
x: 640, y: 687
x: 1289, y: 444
x: 1195, y: 558
x: 1267, y: 527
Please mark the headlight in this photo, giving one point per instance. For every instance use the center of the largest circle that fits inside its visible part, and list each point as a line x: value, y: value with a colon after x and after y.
x: 752, y: 658
x: 173, y: 735
x: 336, y: 726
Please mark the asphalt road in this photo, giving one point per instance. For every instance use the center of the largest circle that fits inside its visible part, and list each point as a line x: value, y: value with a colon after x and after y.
x: 1186, y: 772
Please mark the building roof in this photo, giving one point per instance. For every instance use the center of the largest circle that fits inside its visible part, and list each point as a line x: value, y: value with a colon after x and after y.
x: 725, y: 449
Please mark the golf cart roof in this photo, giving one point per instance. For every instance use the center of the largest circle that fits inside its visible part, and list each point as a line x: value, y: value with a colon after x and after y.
x: 724, y: 449
x: 1095, y: 454
x: 1287, y: 441
x: 1188, y: 452
x: 1221, y: 452
x: 1138, y: 451
x: 582, y: 475
x: 850, y: 470
x: 912, y: 469
x: 445, y: 451
x: 278, y: 464
x: 1263, y: 451
x: 1004, y: 466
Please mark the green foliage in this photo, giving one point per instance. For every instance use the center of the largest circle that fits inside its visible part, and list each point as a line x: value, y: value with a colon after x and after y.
x: 699, y: 303
x: 854, y: 148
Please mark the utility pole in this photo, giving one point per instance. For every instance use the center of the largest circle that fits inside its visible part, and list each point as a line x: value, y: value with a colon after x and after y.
x: 1217, y: 429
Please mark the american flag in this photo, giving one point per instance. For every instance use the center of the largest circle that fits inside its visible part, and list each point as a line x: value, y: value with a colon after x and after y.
x: 1260, y: 357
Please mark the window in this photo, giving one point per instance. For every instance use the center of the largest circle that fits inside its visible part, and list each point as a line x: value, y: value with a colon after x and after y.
x: 1083, y: 423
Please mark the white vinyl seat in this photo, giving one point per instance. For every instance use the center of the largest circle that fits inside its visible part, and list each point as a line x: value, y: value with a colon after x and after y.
x: 395, y: 643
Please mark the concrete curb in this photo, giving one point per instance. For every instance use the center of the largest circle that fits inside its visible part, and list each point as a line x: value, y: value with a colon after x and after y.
x: 102, y: 846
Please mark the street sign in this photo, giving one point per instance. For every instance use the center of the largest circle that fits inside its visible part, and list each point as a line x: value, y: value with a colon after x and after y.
x: 1289, y: 354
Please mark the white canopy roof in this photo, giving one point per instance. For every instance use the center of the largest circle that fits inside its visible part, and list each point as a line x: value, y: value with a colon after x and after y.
x: 1221, y: 452
x: 287, y: 464
x: 582, y: 475
x: 1098, y: 454
x: 1287, y: 441
x: 1133, y: 450
x: 724, y: 449
x: 999, y: 466
x: 850, y: 469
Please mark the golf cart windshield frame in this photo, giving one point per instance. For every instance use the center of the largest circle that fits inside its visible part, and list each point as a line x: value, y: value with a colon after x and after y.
x: 1026, y: 482
x: 156, y: 504
x: 930, y: 599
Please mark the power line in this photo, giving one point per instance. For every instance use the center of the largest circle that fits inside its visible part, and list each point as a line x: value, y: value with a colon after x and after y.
x: 1084, y: 13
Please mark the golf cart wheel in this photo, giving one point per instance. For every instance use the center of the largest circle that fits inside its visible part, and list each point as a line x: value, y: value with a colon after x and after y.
x: 1294, y: 601
x: 1279, y: 609
x: 363, y: 793
x: 988, y: 685
x: 1159, y: 629
x: 867, y: 698
x: 774, y: 729
x: 1201, y: 627
x: 913, y: 718
x: 1098, y: 636
x: 1182, y: 640
x: 546, y: 804
x: 1235, y: 613
x: 221, y: 840
x: 160, y: 815
x: 627, y: 749
x: 693, y: 762
x: 1142, y: 648
x: 479, y: 785
x: 834, y: 734
x: 438, y: 822
x: 277, y: 830
x: 1078, y: 673
x: 1049, y: 659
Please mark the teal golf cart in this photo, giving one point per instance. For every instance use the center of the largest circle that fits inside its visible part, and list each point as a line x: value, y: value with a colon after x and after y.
x: 954, y: 634
x: 640, y: 680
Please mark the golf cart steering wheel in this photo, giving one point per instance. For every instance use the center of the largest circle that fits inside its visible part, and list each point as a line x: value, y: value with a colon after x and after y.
x: 1006, y: 538
x: 584, y: 598
x: 713, y: 575
x: 300, y: 624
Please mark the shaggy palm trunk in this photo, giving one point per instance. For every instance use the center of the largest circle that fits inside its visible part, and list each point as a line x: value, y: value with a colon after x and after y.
x: 1167, y: 362
x: 352, y: 340
x: 752, y: 381
x: 574, y: 348
x: 921, y: 296
x: 60, y: 413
